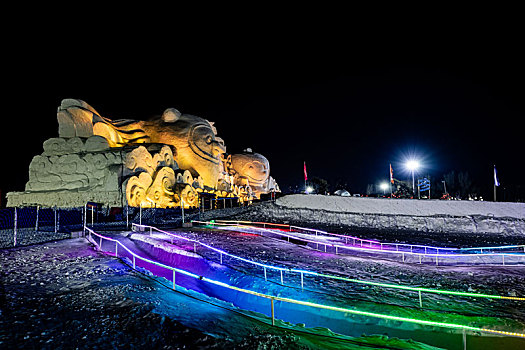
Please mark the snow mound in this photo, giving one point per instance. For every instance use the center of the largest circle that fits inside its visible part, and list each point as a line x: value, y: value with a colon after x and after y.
x: 408, y: 207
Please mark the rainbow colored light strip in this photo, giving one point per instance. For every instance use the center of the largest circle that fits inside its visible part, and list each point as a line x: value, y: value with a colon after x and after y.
x: 369, y: 249
x: 306, y: 272
x: 522, y: 246
x: 314, y: 305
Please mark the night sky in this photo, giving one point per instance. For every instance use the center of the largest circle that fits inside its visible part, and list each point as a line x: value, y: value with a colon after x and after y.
x: 347, y: 110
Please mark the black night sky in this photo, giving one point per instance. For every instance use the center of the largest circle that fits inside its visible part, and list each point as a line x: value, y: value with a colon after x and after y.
x: 348, y: 109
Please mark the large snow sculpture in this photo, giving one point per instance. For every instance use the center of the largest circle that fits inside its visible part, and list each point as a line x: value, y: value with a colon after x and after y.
x: 161, y: 162
x: 253, y: 170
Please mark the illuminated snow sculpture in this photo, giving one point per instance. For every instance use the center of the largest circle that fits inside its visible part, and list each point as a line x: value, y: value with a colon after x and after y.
x: 161, y: 162
x: 253, y: 170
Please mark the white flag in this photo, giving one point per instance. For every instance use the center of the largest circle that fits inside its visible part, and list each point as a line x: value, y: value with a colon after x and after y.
x: 496, y: 182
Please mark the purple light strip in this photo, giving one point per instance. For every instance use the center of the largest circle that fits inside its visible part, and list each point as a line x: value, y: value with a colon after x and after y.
x: 397, y: 245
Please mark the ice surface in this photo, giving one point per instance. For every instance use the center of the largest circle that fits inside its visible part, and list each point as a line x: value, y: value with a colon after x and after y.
x: 436, y: 307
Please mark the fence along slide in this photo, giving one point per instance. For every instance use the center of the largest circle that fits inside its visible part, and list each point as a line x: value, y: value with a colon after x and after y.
x: 405, y: 252
x: 302, y: 273
x: 289, y: 308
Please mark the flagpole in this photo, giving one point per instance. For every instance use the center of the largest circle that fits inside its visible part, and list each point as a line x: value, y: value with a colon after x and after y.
x: 496, y: 182
x: 391, y: 181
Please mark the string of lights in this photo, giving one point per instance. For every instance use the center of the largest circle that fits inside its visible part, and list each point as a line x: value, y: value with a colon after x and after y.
x: 341, y: 278
x: 300, y: 302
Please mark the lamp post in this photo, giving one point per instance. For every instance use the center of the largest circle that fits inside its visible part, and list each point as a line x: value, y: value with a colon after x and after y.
x: 412, y: 165
x: 384, y: 187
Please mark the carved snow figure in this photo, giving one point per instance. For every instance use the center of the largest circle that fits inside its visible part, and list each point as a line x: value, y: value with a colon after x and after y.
x: 160, y: 162
x: 253, y: 170
x: 198, y: 149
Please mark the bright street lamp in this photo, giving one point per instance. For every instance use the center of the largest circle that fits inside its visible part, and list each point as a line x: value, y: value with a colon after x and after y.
x: 412, y: 165
x: 383, y: 186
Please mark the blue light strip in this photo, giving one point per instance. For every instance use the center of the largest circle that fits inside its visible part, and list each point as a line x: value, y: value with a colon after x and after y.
x: 520, y: 246
x: 306, y: 272
x: 310, y: 304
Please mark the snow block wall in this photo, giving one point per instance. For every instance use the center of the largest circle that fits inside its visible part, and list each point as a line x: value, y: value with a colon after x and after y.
x: 396, y: 214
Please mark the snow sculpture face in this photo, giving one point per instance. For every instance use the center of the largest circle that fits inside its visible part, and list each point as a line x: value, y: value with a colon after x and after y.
x: 253, y: 168
x: 197, y: 147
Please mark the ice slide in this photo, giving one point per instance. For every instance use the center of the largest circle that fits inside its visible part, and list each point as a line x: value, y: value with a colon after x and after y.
x: 274, y: 300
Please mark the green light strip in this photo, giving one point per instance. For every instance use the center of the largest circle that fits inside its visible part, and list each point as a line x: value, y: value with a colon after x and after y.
x: 319, y: 306
x: 379, y: 284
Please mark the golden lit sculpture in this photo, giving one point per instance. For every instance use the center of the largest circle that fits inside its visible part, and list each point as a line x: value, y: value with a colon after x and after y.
x: 251, y: 169
x: 198, y: 149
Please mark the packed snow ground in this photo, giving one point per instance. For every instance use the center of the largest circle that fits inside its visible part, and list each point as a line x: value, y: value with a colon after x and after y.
x: 66, y: 294
x: 389, y: 206
x: 475, y: 312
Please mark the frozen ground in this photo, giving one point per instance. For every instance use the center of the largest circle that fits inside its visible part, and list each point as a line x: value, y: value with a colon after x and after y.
x: 383, y: 214
x: 387, y: 206
x: 503, y: 315
x: 65, y: 294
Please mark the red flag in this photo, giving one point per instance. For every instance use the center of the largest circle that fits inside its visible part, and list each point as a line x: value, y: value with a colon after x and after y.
x: 305, y: 175
x: 391, y: 174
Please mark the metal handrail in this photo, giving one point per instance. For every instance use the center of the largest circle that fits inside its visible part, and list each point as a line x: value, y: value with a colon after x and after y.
x: 397, y: 245
x: 273, y: 298
x: 370, y: 249
x: 347, y: 279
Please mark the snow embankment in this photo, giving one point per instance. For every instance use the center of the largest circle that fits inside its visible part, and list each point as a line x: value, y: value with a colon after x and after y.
x: 432, y: 216
x: 410, y: 207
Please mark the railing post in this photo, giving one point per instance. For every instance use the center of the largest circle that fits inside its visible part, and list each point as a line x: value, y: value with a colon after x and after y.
x: 302, y: 284
x: 221, y: 257
x: 133, y: 262
x: 420, y: 301
x: 282, y: 277
x: 55, y: 214
x: 85, y: 218
x: 464, y: 340
x: 116, y: 249
x: 182, y: 208
x: 174, y: 284
x: 265, y: 274
x: 36, y: 221
x: 15, y: 228
x: 273, y: 313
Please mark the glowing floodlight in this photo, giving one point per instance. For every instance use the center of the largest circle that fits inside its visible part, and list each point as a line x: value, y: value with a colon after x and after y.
x: 412, y: 165
x: 309, y: 189
x: 383, y: 186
